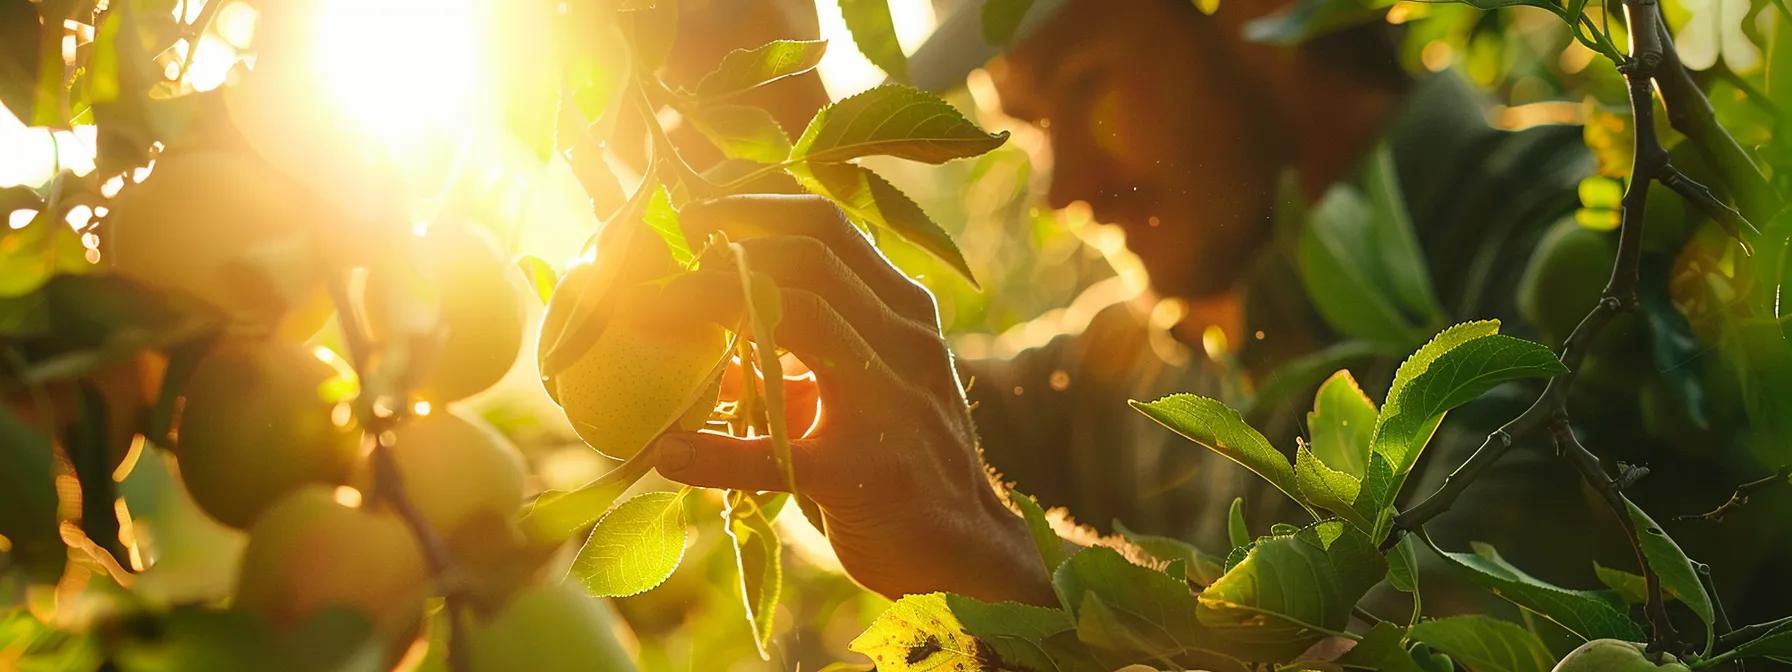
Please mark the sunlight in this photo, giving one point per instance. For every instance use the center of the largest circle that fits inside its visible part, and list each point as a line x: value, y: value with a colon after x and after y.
x: 406, y: 71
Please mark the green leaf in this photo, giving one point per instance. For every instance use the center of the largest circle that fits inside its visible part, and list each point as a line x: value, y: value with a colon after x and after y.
x: 1342, y: 422
x: 1290, y: 591
x: 1403, y: 566
x: 1360, y: 260
x: 1328, y: 488
x: 757, y: 558
x: 874, y: 203
x: 557, y: 514
x: 1455, y: 377
x: 939, y: 631
x: 1047, y: 542
x: 540, y: 275
x: 30, y: 256
x: 1203, y: 567
x: 1001, y: 18
x: 875, y: 33
x: 1672, y: 567
x: 662, y: 218
x: 1236, y: 533
x: 1776, y: 642
x: 1420, y: 361
x: 1374, y: 501
x: 1382, y: 648
x: 742, y: 132
x: 1485, y: 644
x: 1151, y: 612
x: 634, y: 547
x: 1630, y: 587
x: 894, y: 120
x: 764, y: 311
x: 1589, y: 615
x: 747, y: 69
x: 1219, y: 428
x: 28, y: 499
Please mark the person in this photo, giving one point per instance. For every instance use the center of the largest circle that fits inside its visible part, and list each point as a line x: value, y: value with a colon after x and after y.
x: 1198, y: 143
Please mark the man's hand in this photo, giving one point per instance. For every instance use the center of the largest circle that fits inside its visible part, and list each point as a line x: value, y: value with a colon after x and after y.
x: 892, y: 463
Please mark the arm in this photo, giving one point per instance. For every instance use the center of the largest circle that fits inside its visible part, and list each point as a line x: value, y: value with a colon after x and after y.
x: 893, y: 464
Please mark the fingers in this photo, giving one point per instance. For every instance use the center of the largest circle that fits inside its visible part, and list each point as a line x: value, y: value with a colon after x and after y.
x: 717, y: 461
x: 809, y: 327
x: 764, y: 215
x: 805, y: 263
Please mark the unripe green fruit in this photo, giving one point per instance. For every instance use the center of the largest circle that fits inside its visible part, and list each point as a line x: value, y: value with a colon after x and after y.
x: 225, y: 228
x: 309, y: 553
x: 638, y: 379
x: 455, y: 469
x: 1612, y: 655
x: 1565, y: 275
x: 549, y: 629
x: 255, y: 427
x: 481, y: 315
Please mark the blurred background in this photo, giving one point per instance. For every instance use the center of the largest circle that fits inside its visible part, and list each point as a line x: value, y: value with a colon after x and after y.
x: 1033, y: 261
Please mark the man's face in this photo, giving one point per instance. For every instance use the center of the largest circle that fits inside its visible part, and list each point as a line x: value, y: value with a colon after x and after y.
x: 1153, y: 125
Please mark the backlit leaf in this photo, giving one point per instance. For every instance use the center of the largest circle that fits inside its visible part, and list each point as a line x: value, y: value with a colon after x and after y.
x: 663, y: 220
x: 1049, y: 545
x: 635, y: 547
x: 1455, y: 377
x: 874, y: 203
x: 1328, y: 488
x: 1342, y: 422
x: 540, y: 275
x: 742, y: 132
x: 892, y: 120
x: 757, y: 558
x: 746, y: 69
x: 940, y: 631
x: 1214, y: 425
x: 875, y: 33
x: 1289, y: 591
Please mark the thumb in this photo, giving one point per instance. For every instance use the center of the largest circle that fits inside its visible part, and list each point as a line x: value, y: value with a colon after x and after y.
x: 718, y: 461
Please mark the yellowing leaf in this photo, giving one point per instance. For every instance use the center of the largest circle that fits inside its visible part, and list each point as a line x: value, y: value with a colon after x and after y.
x: 635, y: 547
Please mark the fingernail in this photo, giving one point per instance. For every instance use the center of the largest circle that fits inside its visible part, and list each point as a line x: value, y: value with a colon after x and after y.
x: 675, y: 454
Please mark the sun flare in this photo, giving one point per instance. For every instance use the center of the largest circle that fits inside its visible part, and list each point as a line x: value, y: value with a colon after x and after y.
x: 405, y: 71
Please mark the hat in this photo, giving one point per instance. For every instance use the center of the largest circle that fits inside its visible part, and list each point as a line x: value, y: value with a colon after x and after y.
x: 957, y: 46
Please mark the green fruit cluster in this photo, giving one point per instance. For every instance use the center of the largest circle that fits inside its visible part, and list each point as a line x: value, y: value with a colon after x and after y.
x: 272, y: 434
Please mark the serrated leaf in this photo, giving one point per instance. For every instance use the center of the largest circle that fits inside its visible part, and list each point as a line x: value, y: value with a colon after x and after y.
x: 1589, y: 615
x: 757, y: 558
x: 1672, y: 567
x: 1202, y: 567
x: 940, y: 631
x: 1455, y: 377
x: 1150, y: 610
x: 1047, y: 542
x: 746, y: 69
x: 872, y: 202
x: 635, y: 547
x: 1342, y: 422
x: 893, y: 120
x: 662, y: 219
x: 875, y: 33
x: 540, y: 275
x: 1214, y: 425
x: 557, y: 514
x: 742, y: 132
x: 1328, y: 488
x: 1001, y: 18
x: 1290, y: 591
x: 1485, y: 644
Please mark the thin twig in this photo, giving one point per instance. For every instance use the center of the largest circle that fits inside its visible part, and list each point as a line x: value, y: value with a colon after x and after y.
x: 1749, y: 633
x: 1721, y: 626
x: 1741, y: 496
x: 1584, y: 461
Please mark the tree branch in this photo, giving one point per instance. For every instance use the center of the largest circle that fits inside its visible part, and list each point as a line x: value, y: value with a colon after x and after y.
x: 1585, y: 462
x: 1741, y: 495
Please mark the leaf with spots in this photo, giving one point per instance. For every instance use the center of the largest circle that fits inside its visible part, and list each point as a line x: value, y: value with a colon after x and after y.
x: 635, y: 547
x: 944, y: 632
x: 1678, y: 578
